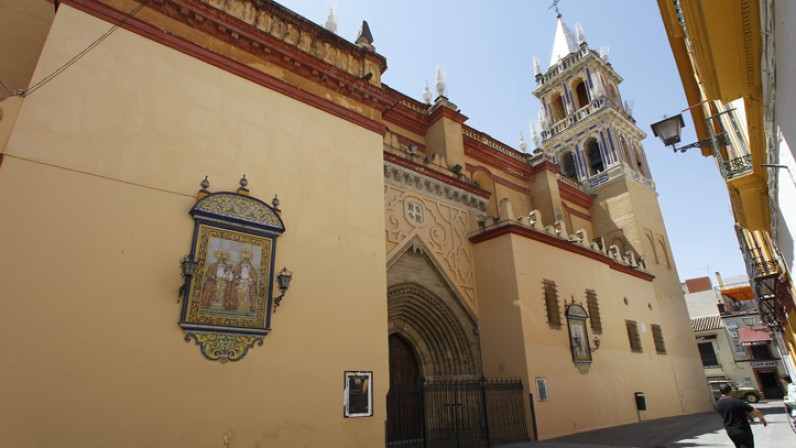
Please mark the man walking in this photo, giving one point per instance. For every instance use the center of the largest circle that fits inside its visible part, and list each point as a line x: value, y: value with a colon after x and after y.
x: 737, y: 415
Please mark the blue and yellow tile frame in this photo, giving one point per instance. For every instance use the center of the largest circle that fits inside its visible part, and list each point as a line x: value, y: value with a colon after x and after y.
x: 227, y: 305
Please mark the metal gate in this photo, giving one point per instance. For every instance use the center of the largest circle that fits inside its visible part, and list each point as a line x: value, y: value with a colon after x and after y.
x: 460, y: 414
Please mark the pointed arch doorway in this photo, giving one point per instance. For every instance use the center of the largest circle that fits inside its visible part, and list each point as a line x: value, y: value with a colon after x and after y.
x: 405, y: 399
x: 438, y: 395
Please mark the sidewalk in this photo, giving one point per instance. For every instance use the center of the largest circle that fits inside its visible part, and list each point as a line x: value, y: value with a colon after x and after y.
x: 696, y: 430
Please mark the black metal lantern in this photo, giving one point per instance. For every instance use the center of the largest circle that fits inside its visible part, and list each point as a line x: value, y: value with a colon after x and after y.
x: 669, y: 129
x: 187, y: 269
x: 188, y: 266
x: 283, y: 279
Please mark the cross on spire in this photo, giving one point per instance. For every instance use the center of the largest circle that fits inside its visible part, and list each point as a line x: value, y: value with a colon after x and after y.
x: 554, y: 7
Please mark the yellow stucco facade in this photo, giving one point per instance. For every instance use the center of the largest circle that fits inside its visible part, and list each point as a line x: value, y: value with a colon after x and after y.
x: 423, y: 251
x: 724, y: 54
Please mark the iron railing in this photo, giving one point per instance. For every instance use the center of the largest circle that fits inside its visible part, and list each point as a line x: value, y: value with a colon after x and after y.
x: 460, y: 414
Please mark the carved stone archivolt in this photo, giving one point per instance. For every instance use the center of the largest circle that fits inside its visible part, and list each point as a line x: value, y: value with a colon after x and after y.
x: 443, y: 230
x: 442, y: 333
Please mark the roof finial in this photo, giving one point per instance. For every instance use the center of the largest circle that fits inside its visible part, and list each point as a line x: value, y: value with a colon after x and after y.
x: 580, y: 34
x: 523, y: 145
x: 427, y: 94
x: 331, y: 20
x: 365, y: 38
x: 537, y: 142
x: 440, y: 84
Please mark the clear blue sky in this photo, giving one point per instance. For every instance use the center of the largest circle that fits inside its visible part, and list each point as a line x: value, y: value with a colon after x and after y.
x: 486, y: 48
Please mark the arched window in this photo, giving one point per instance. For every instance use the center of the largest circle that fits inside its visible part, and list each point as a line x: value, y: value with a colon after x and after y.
x: 664, y: 252
x: 557, y: 105
x: 652, y: 247
x: 615, y: 98
x: 594, y: 157
x: 581, y: 93
x: 642, y: 168
x: 627, y: 150
x: 567, y: 164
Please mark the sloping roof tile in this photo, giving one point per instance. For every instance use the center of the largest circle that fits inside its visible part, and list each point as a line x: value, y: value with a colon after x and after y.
x: 705, y: 323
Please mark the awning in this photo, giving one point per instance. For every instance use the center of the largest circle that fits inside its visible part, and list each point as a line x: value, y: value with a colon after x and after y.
x: 754, y: 336
x: 740, y: 293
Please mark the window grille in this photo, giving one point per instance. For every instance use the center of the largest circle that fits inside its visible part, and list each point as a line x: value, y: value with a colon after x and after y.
x: 633, y: 335
x: 551, y: 303
x: 594, y: 311
x: 657, y: 336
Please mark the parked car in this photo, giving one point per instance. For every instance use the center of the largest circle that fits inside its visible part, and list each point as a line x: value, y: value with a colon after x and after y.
x: 746, y: 393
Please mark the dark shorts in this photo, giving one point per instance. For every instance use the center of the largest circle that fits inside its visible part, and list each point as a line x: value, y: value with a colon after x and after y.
x: 742, y: 440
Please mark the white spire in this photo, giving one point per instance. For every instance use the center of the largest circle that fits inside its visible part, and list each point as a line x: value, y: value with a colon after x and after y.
x: 542, y: 121
x: 427, y: 94
x: 331, y: 20
x: 537, y: 142
x: 523, y: 145
x: 440, y: 85
x: 629, y: 107
x: 537, y: 66
x: 604, y: 52
x: 564, y: 43
x: 580, y: 33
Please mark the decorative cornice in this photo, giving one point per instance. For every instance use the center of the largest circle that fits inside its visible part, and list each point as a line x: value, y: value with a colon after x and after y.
x: 514, y: 228
x: 254, y: 42
x: 569, y: 65
x: 430, y: 183
x: 599, y: 120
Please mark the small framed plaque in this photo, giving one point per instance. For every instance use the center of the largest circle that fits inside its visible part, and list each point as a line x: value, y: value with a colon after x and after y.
x: 358, y: 400
x: 541, y: 388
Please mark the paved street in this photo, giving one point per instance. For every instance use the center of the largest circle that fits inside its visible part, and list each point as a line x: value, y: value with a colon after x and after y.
x: 698, y: 430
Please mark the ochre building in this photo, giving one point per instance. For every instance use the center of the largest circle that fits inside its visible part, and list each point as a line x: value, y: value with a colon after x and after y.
x: 445, y: 286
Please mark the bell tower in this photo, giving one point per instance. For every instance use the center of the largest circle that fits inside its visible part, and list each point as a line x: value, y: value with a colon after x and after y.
x: 589, y: 133
x: 590, y: 136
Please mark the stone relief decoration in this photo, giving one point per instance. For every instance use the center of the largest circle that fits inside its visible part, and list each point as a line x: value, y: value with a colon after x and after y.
x: 414, y: 212
x: 227, y: 302
x: 293, y: 32
x: 443, y: 229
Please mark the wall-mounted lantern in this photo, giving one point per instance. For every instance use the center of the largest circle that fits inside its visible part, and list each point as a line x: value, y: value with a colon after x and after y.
x: 669, y: 131
x: 283, y: 279
x: 187, y: 269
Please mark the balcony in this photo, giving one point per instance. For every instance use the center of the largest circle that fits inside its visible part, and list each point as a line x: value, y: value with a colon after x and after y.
x: 738, y: 166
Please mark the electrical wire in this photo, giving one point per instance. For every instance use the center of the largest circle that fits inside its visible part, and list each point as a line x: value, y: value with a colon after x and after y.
x: 61, y: 69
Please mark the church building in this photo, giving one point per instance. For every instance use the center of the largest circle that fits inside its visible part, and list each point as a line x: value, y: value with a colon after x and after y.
x: 220, y: 228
